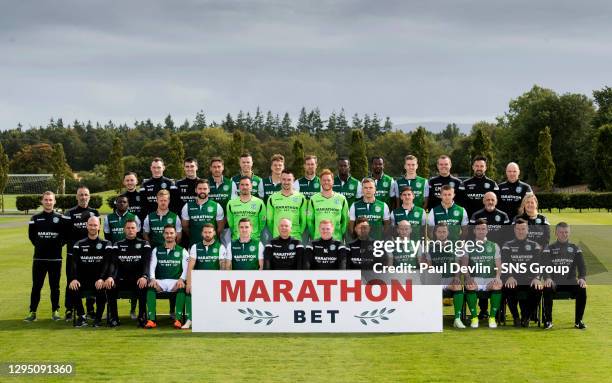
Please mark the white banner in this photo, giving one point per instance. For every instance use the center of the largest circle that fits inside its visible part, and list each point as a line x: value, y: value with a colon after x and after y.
x: 311, y: 301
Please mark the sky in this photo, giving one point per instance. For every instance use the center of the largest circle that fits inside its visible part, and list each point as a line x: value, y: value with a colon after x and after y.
x: 447, y: 60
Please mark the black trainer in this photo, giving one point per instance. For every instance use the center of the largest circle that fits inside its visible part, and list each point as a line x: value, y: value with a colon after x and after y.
x: 516, y: 321
x: 68, y: 316
x: 80, y: 322
x: 580, y: 325
x: 114, y: 323
x: 525, y: 322
x: 548, y: 325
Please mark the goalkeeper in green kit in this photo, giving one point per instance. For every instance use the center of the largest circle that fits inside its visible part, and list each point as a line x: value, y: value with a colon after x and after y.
x: 167, y: 273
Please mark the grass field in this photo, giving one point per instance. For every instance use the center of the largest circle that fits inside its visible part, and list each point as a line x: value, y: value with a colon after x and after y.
x: 164, y: 354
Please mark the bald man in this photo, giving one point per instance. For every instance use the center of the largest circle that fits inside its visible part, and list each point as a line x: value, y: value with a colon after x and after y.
x: 495, y: 219
x: 512, y: 191
x: 284, y: 252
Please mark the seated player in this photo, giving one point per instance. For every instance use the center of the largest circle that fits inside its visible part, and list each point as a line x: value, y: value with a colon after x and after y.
x: 564, y: 253
x: 89, y: 262
x: 361, y: 251
x: 411, y: 253
x: 487, y: 260
x: 325, y: 253
x: 246, y: 253
x: 167, y: 273
x: 207, y: 254
x: 440, y: 256
x: 128, y: 271
x: 284, y: 252
x: 517, y: 252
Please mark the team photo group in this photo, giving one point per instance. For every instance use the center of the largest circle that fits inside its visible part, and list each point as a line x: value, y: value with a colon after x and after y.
x: 162, y: 230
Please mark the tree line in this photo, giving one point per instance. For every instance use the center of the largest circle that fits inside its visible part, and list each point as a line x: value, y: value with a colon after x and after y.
x: 557, y: 139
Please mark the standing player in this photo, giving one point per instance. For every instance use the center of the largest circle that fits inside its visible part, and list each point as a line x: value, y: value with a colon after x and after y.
x: 287, y: 204
x: 310, y: 183
x: 512, y: 191
x: 272, y: 184
x: 130, y: 181
x: 540, y: 228
x: 345, y: 184
x: 153, y: 226
x: 185, y: 188
x: 419, y: 185
x: 246, y: 252
x: 564, y: 253
x: 246, y: 170
x: 440, y: 256
x: 383, y: 184
x: 150, y: 187
x: 220, y: 192
x: 474, y: 189
x: 327, y: 205
x: 374, y: 210
x: 284, y: 252
x: 450, y: 213
x: 78, y: 217
x: 487, y: 260
x: 128, y: 270
x: 246, y: 206
x: 47, y: 233
x: 444, y: 178
x: 114, y: 223
x: 207, y: 254
x: 167, y: 273
x: 408, y: 211
x: 195, y: 214
x: 90, y: 259
x: 325, y: 253
x: 517, y: 252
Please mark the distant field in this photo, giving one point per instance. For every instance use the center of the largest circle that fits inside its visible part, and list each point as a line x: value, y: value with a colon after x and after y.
x: 164, y: 354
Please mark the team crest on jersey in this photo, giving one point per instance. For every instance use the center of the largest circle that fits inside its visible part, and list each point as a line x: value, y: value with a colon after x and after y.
x: 351, y: 187
x: 215, y: 250
x: 177, y: 253
x: 163, y: 185
x: 332, y: 247
x: 418, y: 184
x: 519, y: 189
x: 456, y: 213
x: 295, y: 199
x: 487, y: 185
x: 99, y: 246
x: 291, y: 246
x: 377, y: 209
x: 252, y: 248
x: 417, y: 214
x: 452, y: 184
x: 570, y: 249
x: 210, y: 209
x: 385, y: 184
x: 254, y: 183
x: 253, y: 206
x: 137, y: 198
x: 55, y: 219
x: 538, y: 221
x: 91, y: 214
x: 489, y: 248
x: 138, y: 246
x: 225, y: 187
x: 170, y: 220
x: 497, y: 218
x: 337, y: 201
x: 528, y: 247
x: 316, y: 185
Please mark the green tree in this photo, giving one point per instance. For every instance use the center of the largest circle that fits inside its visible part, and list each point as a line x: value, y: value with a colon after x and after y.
x: 115, y: 167
x: 603, y: 99
x: 420, y: 149
x: 286, y: 129
x: 169, y: 123
x: 387, y: 126
x: 174, y: 157
x: 4, y: 172
x: 603, y: 159
x: 546, y: 166
x: 483, y: 146
x: 200, y: 121
x: 60, y: 167
x: 297, y: 166
x: 393, y: 148
x: 358, y: 156
x: 302, y: 125
x: 232, y: 165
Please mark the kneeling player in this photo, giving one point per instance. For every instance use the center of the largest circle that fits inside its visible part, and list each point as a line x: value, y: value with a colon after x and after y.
x: 485, y: 259
x: 564, y: 253
x: 207, y: 254
x: 325, y: 253
x: 90, y: 258
x: 168, y: 272
x: 129, y: 271
x: 441, y: 256
x: 283, y: 252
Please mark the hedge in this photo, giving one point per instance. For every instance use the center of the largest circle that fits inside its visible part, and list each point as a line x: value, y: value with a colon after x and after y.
x: 63, y: 201
x: 578, y: 201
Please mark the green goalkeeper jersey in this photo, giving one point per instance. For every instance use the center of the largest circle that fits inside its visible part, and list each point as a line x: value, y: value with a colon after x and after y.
x: 334, y: 208
x: 292, y: 207
x: 254, y: 209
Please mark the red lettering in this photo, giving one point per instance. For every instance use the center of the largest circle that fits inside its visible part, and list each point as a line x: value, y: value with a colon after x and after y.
x: 345, y: 290
x: 404, y: 290
x: 369, y: 290
x: 307, y: 291
x: 327, y: 284
x: 227, y: 290
x: 282, y: 287
x: 259, y: 291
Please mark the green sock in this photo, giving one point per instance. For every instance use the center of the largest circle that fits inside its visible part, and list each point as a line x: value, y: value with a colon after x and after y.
x: 496, y: 298
x: 180, y: 304
x: 188, y: 305
x: 472, y: 299
x: 151, y: 303
x: 458, y: 303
